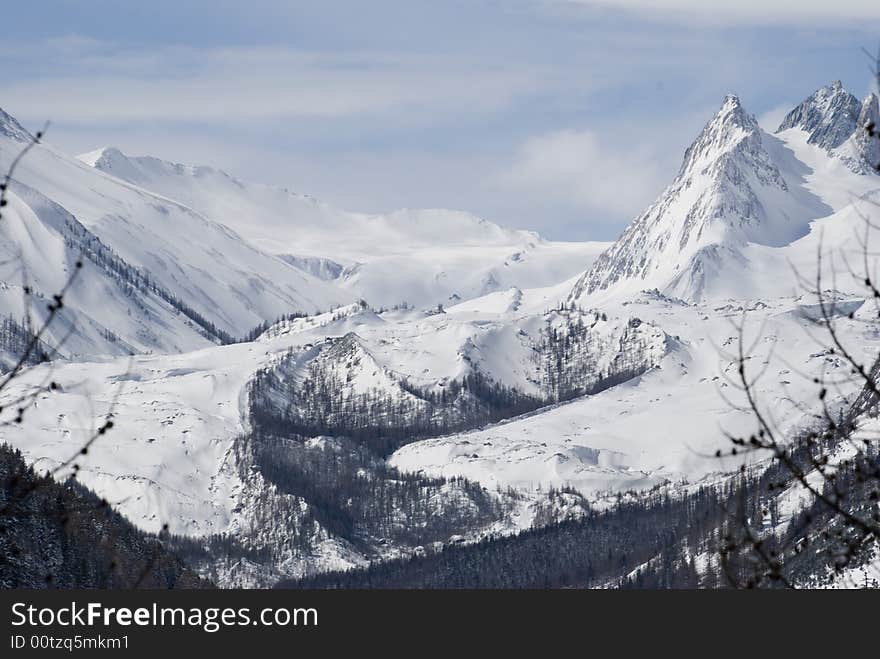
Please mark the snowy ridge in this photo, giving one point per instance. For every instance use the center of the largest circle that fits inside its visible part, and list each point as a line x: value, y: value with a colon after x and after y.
x: 518, y: 363
x: 729, y: 192
x: 829, y: 116
x: 861, y: 152
x: 744, y: 202
x: 108, y: 310
x: 422, y: 257
x: 176, y: 411
x: 226, y: 285
x: 664, y: 425
x: 176, y: 456
x: 834, y: 120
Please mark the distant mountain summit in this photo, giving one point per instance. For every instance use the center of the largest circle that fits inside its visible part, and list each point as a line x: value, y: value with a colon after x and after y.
x: 715, y: 206
x: 829, y: 115
x: 739, y: 189
x: 835, y: 120
x: 419, y: 256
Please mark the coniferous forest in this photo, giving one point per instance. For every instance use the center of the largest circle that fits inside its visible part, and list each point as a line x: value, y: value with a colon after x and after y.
x: 61, y: 535
x: 655, y: 540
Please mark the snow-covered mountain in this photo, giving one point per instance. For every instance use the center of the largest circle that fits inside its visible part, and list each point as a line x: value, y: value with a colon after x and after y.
x: 190, y: 255
x: 189, y: 429
x: 834, y: 119
x: 173, y: 279
x: 109, y: 309
x: 861, y: 151
x: 332, y: 439
x: 829, y: 116
x: 736, y: 236
x: 422, y: 257
x: 743, y: 202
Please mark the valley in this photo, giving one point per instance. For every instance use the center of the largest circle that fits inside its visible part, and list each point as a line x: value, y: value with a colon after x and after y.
x: 297, y: 389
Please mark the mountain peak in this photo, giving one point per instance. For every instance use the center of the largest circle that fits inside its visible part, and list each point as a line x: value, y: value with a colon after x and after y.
x: 732, y: 110
x: 104, y: 153
x: 142, y: 169
x: 731, y: 101
x: 861, y: 152
x: 725, y: 197
x: 112, y: 161
x: 10, y: 127
x: 730, y: 125
x: 829, y: 115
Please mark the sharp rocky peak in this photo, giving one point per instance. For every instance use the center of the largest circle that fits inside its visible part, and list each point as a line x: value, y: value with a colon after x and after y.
x: 829, y: 115
x: 731, y: 116
x: 732, y: 110
x: 730, y: 126
x: 712, y: 209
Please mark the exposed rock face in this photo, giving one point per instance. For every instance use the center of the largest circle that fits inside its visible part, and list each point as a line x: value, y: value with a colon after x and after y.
x: 829, y: 115
x: 836, y: 121
x: 712, y: 209
x: 9, y: 127
x: 861, y: 152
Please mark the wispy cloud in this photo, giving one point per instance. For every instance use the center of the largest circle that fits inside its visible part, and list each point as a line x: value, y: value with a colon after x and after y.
x: 564, y: 116
x: 579, y: 169
x: 771, y: 119
x: 792, y: 12
x: 255, y: 83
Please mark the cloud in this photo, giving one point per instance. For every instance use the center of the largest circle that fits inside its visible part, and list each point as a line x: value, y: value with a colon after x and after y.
x: 578, y: 169
x: 224, y: 85
x: 771, y: 119
x: 395, y: 103
x: 745, y: 11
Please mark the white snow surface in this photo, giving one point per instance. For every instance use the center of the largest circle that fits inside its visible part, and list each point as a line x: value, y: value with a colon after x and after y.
x: 423, y: 257
x: 746, y: 211
x: 202, y: 263
x: 168, y: 457
x: 101, y: 314
x: 720, y: 247
x: 735, y: 238
x: 665, y: 425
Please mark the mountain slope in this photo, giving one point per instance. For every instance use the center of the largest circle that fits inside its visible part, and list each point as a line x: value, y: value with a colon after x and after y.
x: 423, y: 257
x: 835, y: 121
x: 861, y: 152
x: 733, y: 189
x: 190, y: 429
x: 108, y: 309
x: 333, y: 439
x: 746, y: 204
x: 228, y: 285
x: 829, y: 115
x: 61, y: 535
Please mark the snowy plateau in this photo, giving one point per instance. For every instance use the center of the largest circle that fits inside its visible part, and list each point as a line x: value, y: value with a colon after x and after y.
x: 303, y: 388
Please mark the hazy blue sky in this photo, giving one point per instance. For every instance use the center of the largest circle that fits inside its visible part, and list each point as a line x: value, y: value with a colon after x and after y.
x: 567, y: 117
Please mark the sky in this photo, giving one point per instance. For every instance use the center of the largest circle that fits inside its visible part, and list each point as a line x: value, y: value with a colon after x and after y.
x: 567, y: 117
